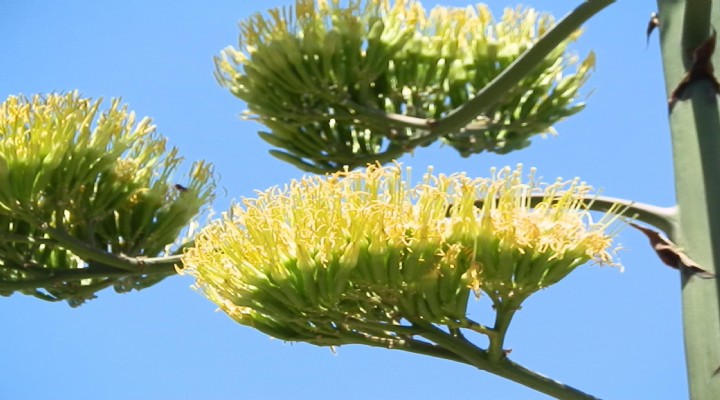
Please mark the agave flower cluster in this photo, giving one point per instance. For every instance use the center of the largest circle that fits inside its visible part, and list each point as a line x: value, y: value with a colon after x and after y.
x: 321, y: 77
x: 100, y: 177
x: 354, y: 255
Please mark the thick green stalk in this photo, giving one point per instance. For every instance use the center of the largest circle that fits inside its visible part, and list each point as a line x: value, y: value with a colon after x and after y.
x: 503, y: 367
x: 487, y: 96
x: 467, y: 113
x: 695, y: 128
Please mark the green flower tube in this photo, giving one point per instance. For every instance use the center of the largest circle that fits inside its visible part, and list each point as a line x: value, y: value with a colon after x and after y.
x: 328, y: 260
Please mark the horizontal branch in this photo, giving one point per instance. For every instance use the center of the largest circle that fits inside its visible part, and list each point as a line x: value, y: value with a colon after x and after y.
x: 384, y: 118
x: 102, y: 266
x: 88, y: 253
x: 15, y: 238
x: 663, y: 218
x: 91, y: 253
x: 58, y: 277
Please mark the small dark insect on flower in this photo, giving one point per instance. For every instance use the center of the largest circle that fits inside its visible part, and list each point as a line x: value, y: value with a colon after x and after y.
x: 180, y: 188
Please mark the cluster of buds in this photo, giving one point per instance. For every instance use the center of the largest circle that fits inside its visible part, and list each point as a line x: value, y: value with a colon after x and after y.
x: 315, y: 75
x: 353, y: 256
x: 96, y: 176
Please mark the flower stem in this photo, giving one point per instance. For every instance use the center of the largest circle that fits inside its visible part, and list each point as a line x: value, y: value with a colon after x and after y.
x: 503, y: 367
x: 663, y: 218
x: 100, y: 264
x: 96, y: 271
x: 120, y: 261
x: 464, y: 115
x: 504, y: 312
x: 509, y: 78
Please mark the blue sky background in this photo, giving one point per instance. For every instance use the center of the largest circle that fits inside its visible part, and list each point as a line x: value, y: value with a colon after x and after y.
x: 615, y: 335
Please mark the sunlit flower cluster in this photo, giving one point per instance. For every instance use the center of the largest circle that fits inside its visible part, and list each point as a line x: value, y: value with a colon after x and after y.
x: 99, y: 176
x: 323, y: 258
x: 320, y: 76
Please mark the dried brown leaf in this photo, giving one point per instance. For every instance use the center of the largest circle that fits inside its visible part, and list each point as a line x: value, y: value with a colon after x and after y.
x: 671, y: 255
x: 701, y: 69
x: 703, y: 53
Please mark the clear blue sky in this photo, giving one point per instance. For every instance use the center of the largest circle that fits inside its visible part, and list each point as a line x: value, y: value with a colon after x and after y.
x: 615, y: 335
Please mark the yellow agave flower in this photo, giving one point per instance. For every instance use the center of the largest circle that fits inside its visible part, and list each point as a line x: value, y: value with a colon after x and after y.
x: 100, y: 176
x: 324, y: 260
x: 320, y: 76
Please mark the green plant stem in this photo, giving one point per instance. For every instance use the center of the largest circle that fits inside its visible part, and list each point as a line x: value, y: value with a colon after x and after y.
x: 383, y: 118
x: 695, y: 130
x: 476, y: 327
x: 71, y: 275
x: 503, y: 367
x: 511, y: 76
x: 383, y: 329
x: 90, y: 253
x: 14, y: 238
x: 413, y: 346
x: 663, y: 218
x: 462, y: 117
x: 467, y: 113
x: 504, y: 311
x: 100, y: 264
x: 428, y: 349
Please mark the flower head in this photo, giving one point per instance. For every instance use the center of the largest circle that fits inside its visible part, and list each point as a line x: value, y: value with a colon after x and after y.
x: 100, y: 176
x: 318, y: 77
x: 324, y: 260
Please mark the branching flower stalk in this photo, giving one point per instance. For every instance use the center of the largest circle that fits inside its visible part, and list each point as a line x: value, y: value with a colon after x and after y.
x: 346, y: 86
x: 355, y: 256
